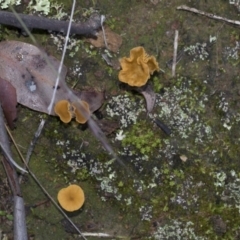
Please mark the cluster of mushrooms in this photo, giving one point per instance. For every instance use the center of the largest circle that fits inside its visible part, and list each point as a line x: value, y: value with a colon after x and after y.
x: 136, y: 71
x: 66, y: 111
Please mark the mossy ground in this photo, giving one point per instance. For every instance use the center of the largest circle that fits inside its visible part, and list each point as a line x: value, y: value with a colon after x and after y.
x: 167, y: 178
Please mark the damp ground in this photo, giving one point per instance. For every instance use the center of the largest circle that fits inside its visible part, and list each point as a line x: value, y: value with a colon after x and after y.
x: 183, y: 185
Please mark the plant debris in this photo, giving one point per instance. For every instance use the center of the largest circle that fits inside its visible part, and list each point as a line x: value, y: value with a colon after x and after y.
x: 32, y: 72
x: 8, y: 100
x: 89, y: 27
x: 114, y: 41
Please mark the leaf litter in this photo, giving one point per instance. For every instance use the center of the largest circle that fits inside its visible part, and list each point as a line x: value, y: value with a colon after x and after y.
x: 24, y: 66
x: 162, y: 220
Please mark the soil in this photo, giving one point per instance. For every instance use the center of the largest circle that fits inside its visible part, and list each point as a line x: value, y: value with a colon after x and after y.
x: 181, y: 185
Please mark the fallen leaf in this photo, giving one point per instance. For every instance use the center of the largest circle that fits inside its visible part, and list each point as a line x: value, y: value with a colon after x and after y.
x: 108, y: 126
x: 149, y: 95
x: 114, y: 41
x: 93, y: 98
x: 33, y: 72
x: 8, y: 100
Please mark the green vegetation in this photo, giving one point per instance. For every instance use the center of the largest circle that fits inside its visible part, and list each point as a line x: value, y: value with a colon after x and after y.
x: 141, y: 137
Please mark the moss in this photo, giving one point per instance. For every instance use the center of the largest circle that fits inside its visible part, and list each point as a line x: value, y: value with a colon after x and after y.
x: 82, y: 174
x: 142, y: 138
x: 155, y: 188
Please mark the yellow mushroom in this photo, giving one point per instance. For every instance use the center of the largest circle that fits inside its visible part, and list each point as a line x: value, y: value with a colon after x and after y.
x: 71, y: 198
x: 63, y: 110
x: 82, y: 111
x: 137, y: 68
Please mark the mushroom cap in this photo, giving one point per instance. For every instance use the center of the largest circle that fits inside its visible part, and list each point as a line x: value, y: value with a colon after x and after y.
x: 82, y: 111
x: 71, y: 198
x: 62, y: 109
x: 137, y: 68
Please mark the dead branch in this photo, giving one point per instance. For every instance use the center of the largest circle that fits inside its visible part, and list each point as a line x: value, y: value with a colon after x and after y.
x: 20, y: 229
x: 89, y: 27
x: 43, y: 189
x: 210, y: 15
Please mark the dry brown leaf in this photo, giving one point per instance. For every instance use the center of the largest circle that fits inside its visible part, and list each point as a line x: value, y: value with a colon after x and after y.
x: 149, y: 95
x: 8, y: 100
x: 114, y: 41
x: 108, y: 126
x: 25, y: 67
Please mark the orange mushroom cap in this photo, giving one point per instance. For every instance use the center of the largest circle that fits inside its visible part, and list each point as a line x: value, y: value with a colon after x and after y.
x: 82, y: 111
x: 71, y: 198
x: 137, y: 68
x: 62, y: 109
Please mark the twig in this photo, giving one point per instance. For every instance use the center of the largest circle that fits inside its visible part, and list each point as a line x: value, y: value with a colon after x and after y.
x: 210, y: 15
x: 46, y: 192
x: 20, y: 232
x: 98, y: 133
x: 11, y: 173
x: 20, y: 229
x: 62, y: 59
x: 31, y: 147
x: 89, y: 27
x: 34, y: 140
x: 103, y: 31
x: 10, y: 159
x: 101, y: 235
x: 175, y: 53
x: 37, y: 134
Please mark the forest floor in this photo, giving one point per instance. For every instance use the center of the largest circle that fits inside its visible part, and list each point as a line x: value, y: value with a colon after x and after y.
x: 183, y: 185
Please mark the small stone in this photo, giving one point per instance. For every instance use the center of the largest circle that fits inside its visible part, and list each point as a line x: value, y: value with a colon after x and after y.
x: 219, y: 226
x: 183, y: 158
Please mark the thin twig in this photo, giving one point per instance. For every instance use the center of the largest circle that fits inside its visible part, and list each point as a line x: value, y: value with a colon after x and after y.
x: 98, y: 133
x: 103, y: 31
x: 20, y: 229
x: 175, y: 47
x: 34, y: 140
x: 45, y: 191
x: 10, y: 159
x: 101, y: 235
x: 23, y: 24
x: 32, y: 144
x: 210, y: 15
x: 62, y: 59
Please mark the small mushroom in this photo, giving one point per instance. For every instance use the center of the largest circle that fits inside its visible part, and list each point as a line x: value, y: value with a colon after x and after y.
x: 137, y: 68
x: 71, y: 198
x: 63, y: 110
x: 82, y: 111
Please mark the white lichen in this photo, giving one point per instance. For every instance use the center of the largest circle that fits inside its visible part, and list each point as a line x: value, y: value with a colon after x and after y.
x: 146, y: 212
x: 197, y: 51
x: 126, y: 109
x: 229, y: 191
x: 4, y: 4
x: 176, y: 230
x: 232, y: 52
x: 120, y: 136
x: 40, y: 6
